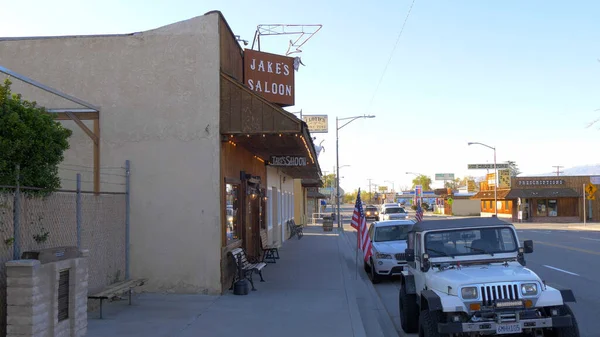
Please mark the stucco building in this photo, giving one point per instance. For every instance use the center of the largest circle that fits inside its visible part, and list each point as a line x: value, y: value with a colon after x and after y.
x: 173, y: 101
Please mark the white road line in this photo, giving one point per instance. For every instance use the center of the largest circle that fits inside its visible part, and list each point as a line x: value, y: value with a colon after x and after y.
x: 564, y: 271
x: 589, y: 239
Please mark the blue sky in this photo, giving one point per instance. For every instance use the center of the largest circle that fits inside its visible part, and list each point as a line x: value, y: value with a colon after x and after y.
x: 520, y: 75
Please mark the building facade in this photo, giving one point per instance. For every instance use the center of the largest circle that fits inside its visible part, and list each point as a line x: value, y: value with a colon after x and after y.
x: 173, y: 101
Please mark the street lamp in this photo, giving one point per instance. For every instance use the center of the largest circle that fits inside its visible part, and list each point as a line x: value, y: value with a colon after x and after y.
x: 495, y: 175
x: 336, y: 183
x: 337, y: 156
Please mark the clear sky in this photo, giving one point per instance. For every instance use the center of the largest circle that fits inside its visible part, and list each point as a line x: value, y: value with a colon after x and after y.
x: 522, y: 76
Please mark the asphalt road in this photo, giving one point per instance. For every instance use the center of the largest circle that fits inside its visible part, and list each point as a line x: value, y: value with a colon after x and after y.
x: 565, y: 259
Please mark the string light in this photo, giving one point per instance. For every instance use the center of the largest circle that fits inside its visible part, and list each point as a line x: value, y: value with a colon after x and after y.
x: 232, y: 143
x: 308, y: 150
x: 259, y: 158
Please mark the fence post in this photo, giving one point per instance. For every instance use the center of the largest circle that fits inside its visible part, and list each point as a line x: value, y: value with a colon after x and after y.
x: 127, y: 208
x: 17, y: 216
x: 78, y: 211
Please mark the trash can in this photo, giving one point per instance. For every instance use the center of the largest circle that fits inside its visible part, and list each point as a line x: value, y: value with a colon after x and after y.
x: 327, y: 224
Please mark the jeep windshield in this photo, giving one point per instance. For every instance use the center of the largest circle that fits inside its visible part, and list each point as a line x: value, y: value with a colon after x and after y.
x: 471, y: 241
x: 392, y: 233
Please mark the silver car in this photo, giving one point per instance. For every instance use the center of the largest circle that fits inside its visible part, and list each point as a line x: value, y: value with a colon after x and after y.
x: 388, y: 239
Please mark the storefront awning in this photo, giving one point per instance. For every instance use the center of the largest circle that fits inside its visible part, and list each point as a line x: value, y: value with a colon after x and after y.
x: 265, y: 129
x: 502, y: 194
x: 542, y: 193
x: 316, y: 195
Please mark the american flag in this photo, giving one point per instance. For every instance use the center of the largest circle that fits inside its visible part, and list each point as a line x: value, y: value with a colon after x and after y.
x: 359, y: 222
x: 419, y: 215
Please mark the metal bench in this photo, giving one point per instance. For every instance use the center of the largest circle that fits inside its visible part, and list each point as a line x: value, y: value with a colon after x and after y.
x: 116, y: 290
x: 270, y: 252
x: 245, y: 267
x: 295, y: 229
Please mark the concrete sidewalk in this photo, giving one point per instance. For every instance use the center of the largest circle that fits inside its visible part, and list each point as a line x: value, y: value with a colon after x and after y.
x: 308, y: 292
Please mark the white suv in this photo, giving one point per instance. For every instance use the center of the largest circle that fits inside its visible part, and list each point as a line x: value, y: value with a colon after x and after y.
x: 388, y: 239
x: 467, y: 277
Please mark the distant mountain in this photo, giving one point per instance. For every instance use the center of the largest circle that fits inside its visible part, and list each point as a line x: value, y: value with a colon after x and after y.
x: 586, y: 170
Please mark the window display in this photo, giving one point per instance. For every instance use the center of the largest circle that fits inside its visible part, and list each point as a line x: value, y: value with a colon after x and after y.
x: 232, y: 212
x: 552, y: 207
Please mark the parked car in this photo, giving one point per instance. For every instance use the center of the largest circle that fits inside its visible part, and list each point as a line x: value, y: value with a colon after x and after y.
x: 393, y: 213
x: 389, y: 243
x: 467, y: 277
x: 371, y: 213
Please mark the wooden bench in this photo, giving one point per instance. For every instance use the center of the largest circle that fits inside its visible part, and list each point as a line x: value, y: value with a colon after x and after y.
x: 295, y: 229
x: 116, y: 290
x: 270, y: 252
x: 245, y: 267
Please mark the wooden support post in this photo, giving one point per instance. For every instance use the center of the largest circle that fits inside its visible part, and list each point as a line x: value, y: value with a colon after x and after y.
x: 95, y: 137
x: 97, y: 156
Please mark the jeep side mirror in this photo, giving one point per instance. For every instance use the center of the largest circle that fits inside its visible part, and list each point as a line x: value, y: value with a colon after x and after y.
x: 425, y: 264
x: 528, y: 246
x: 409, y: 255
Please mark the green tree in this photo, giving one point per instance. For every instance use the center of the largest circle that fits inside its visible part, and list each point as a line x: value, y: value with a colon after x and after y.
x: 513, y: 168
x: 422, y: 180
x: 329, y: 180
x: 31, y: 138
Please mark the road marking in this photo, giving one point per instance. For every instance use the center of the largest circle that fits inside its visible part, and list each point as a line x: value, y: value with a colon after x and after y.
x: 565, y: 247
x: 589, y: 239
x: 564, y: 271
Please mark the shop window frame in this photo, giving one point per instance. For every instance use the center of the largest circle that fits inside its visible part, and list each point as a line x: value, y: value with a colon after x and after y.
x: 541, y: 202
x: 238, y: 183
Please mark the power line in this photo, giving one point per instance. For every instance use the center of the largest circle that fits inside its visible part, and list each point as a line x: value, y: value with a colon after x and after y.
x: 391, y: 56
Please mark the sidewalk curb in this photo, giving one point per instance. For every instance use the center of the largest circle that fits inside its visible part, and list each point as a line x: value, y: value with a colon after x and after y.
x: 385, y: 321
x: 357, y: 324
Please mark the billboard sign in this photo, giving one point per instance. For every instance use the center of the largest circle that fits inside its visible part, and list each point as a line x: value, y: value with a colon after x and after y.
x: 444, y: 176
x: 487, y: 166
x: 316, y: 123
x: 270, y: 75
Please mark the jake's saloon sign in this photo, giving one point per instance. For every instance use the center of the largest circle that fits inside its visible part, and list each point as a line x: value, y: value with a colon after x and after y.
x: 270, y: 75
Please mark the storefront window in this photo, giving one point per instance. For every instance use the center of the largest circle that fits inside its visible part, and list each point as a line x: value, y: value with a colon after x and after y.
x: 541, y: 207
x: 552, y: 207
x: 232, y: 212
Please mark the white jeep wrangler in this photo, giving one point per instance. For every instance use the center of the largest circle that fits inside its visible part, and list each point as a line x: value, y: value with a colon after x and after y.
x: 467, y: 277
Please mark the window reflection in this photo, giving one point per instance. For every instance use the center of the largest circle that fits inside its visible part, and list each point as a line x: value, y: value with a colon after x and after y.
x: 232, y: 218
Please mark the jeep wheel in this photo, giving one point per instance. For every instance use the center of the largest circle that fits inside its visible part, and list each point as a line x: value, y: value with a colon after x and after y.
x: 428, y: 323
x: 409, y: 311
x: 375, y: 278
x: 568, y: 331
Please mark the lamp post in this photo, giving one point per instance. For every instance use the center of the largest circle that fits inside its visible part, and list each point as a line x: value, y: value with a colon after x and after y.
x: 495, y: 175
x: 337, y: 156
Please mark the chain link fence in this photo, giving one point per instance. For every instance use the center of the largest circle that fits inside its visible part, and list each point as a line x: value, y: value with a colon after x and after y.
x: 94, y: 221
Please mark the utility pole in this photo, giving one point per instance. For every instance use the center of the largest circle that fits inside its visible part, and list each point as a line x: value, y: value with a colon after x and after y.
x: 558, y: 171
x: 370, y: 194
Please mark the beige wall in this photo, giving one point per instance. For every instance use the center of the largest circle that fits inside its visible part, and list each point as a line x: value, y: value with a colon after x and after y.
x: 275, y: 178
x: 159, y: 97
x: 466, y: 207
x: 299, y: 202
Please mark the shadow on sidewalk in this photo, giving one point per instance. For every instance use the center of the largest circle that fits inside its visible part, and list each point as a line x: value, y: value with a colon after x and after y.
x: 304, y: 295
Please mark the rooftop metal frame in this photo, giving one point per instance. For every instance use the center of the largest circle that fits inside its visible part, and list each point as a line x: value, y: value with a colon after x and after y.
x: 77, y: 115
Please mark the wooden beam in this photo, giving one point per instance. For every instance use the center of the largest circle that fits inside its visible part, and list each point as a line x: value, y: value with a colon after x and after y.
x: 97, y: 156
x: 84, y: 116
x: 84, y: 127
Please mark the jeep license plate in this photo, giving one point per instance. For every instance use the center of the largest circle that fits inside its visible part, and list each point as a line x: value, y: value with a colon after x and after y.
x: 503, y: 329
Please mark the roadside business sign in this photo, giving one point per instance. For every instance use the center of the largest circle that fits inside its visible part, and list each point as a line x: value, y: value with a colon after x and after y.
x: 270, y: 75
x: 487, y: 166
x: 287, y: 161
x: 316, y: 123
